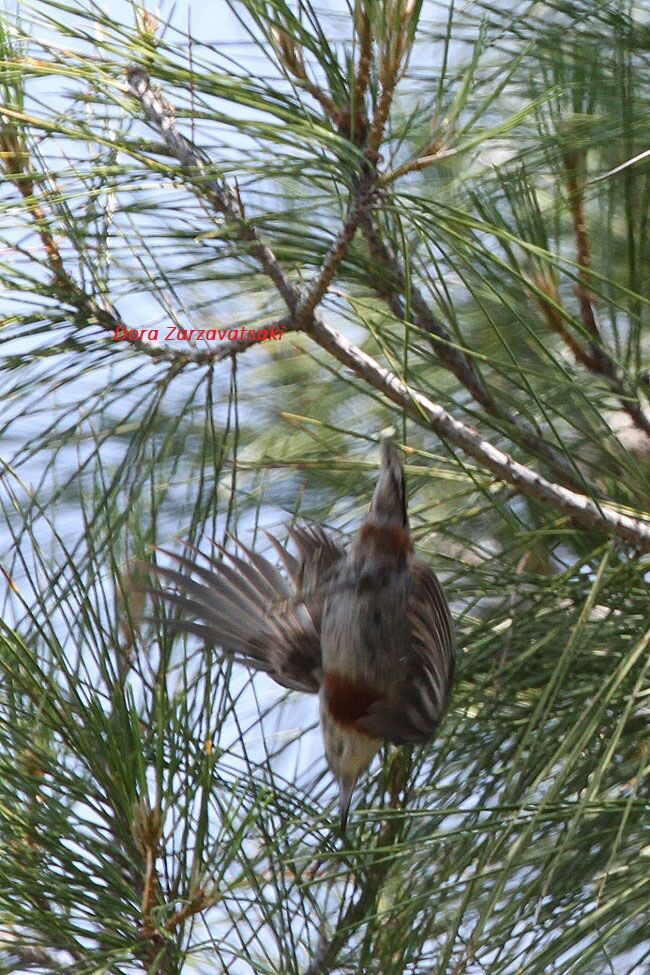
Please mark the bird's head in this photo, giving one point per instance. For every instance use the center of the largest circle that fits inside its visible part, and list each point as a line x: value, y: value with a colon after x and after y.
x: 349, y: 753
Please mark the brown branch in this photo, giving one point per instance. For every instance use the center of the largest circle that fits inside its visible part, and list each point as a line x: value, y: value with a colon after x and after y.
x: 326, y: 102
x: 551, y: 309
x: 427, y: 413
x: 592, y: 355
x: 382, y: 112
x: 423, y: 410
x: 30, y: 956
x: 399, y: 16
x: 577, y: 209
x: 595, y: 357
x: 16, y: 163
x: 391, y: 285
x: 146, y: 828
x: 289, y: 52
x: 431, y: 156
x: 360, y: 202
x: 300, y: 303
x: 362, y: 76
x: 161, y: 115
x: 107, y: 318
x: 350, y: 122
x: 200, y: 901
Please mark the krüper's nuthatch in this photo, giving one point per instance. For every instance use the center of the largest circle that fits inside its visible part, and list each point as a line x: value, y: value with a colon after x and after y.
x: 367, y: 628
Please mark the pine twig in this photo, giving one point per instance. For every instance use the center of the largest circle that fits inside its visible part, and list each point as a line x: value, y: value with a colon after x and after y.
x: 418, y: 406
x: 392, y: 287
x: 161, y: 115
x: 326, y: 954
x: 392, y: 59
x: 424, y: 411
x: 15, y: 160
x: 363, y: 32
x: 591, y: 354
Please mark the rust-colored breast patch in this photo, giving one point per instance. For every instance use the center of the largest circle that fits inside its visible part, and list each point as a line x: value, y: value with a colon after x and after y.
x: 392, y: 539
x: 347, y: 700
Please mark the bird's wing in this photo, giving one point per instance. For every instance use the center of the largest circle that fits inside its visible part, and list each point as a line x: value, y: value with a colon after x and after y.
x: 242, y: 604
x: 310, y: 572
x: 409, y: 712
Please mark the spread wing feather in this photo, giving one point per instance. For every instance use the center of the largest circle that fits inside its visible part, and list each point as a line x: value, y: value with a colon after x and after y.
x: 244, y: 606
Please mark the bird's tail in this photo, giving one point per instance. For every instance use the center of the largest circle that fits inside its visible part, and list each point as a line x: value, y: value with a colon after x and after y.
x: 388, y: 505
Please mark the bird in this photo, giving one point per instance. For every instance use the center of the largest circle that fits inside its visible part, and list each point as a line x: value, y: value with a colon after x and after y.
x: 365, y: 626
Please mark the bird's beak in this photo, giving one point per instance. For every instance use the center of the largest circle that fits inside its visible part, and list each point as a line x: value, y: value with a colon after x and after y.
x: 346, y: 788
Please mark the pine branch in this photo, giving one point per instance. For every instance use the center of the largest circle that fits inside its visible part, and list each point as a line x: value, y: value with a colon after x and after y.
x: 16, y: 162
x: 327, y: 952
x: 161, y: 115
x: 418, y: 406
x: 392, y: 289
x: 31, y: 956
x: 525, y: 480
x: 593, y: 355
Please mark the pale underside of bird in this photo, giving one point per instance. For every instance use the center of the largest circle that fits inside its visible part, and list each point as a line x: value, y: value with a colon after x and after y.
x: 366, y: 627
